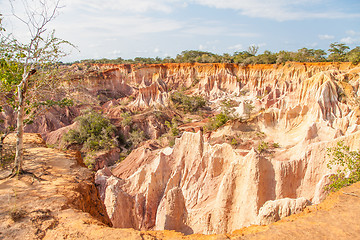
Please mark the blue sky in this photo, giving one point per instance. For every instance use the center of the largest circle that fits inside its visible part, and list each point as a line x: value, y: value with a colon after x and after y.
x: 150, y: 28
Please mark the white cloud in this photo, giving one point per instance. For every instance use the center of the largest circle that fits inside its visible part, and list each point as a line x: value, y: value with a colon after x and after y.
x: 349, y: 40
x: 116, y: 53
x: 134, y: 6
x: 325, y: 36
x: 353, y: 37
x: 116, y: 26
x: 236, y: 47
x: 280, y: 10
x: 351, y: 32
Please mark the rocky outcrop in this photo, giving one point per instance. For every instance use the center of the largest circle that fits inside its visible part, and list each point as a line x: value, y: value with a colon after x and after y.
x: 154, y: 95
x: 202, y: 187
x: 273, y: 211
x: 172, y: 213
x: 222, y: 190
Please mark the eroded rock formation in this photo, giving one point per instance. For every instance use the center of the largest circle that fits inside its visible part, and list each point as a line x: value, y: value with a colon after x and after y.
x: 202, y: 187
x: 204, y: 184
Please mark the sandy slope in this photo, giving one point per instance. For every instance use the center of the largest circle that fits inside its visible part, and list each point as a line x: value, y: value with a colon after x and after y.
x: 51, y: 208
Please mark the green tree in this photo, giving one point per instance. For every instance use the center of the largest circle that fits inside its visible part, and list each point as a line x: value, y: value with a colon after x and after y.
x: 310, y: 55
x: 338, y: 52
x: 25, y: 62
x: 240, y: 57
x: 354, y: 55
x: 348, y: 163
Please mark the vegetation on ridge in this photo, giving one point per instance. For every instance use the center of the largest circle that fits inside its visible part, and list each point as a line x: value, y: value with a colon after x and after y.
x: 338, y: 52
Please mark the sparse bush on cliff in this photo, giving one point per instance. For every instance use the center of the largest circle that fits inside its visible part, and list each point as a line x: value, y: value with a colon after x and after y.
x: 227, y: 107
x: 126, y: 119
x: 188, y: 103
x: 349, y: 163
x: 173, y: 127
x: 263, y: 146
x: 173, y: 131
x: 95, y: 132
x: 275, y: 145
x: 136, y: 137
x: 89, y: 159
x: 217, y: 121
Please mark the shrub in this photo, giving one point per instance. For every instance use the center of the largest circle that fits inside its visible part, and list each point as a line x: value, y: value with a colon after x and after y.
x: 275, y: 145
x: 349, y: 163
x: 234, y: 142
x: 95, y: 132
x: 263, y: 146
x: 171, y: 141
x: 136, y: 137
x: 187, y: 103
x: 7, y: 155
x: 249, y: 108
x: 173, y: 131
x: 89, y: 160
x: 217, y: 121
x: 227, y: 108
x: 126, y: 119
x: 173, y: 127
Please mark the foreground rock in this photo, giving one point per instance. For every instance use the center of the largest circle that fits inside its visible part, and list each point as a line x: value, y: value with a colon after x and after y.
x: 213, y: 189
x: 51, y: 208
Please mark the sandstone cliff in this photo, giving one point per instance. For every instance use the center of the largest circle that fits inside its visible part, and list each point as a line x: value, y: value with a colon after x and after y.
x: 205, y: 185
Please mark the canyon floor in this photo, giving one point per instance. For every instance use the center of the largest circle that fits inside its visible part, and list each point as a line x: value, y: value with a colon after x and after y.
x: 60, y: 201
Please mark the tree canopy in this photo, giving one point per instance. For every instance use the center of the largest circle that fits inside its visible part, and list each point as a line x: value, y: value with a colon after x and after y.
x: 338, y: 52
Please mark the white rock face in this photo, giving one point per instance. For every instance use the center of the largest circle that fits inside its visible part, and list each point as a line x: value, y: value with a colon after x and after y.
x: 200, y: 188
x: 273, y: 211
x: 172, y: 213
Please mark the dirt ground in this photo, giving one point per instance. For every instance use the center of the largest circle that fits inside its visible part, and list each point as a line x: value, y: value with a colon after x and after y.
x: 60, y: 201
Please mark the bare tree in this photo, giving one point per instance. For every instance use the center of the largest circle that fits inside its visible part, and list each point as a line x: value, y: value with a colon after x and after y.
x: 253, y: 49
x: 26, y: 60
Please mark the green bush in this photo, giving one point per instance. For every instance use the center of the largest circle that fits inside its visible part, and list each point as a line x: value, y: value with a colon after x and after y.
x: 187, y: 103
x: 89, y: 160
x: 349, y: 163
x: 173, y: 127
x: 126, y: 119
x: 275, y: 145
x: 217, y: 121
x: 136, y: 137
x: 263, y: 146
x: 234, y: 142
x: 95, y: 132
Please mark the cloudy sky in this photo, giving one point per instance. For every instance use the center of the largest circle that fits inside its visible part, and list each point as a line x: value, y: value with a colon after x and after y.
x: 150, y: 28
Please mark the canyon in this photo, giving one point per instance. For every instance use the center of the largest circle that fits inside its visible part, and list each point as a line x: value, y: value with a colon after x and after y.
x: 268, y: 161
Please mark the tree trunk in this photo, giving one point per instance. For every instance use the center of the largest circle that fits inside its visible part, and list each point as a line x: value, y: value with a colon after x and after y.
x: 19, y: 155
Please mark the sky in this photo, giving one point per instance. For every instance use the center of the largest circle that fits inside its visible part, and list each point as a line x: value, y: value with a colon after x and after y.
x: 151, y: 28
